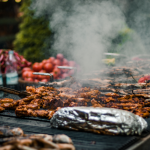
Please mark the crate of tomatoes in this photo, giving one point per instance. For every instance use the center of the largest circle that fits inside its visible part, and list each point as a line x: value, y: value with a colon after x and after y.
x: 49, y: 65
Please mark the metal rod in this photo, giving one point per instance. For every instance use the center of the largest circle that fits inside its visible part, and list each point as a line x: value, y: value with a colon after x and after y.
x: 45, y: 74
x: 66, y: 67
x: 41, y: 73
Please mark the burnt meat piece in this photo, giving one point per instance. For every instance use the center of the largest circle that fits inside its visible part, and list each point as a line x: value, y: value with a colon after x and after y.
x: 53, y: 103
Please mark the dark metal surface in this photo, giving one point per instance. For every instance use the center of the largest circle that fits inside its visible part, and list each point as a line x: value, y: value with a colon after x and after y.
x: 81, y: 140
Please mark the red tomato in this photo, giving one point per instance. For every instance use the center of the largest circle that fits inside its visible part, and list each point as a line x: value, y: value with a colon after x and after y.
x: 44, y: 62
x: 36, y: 80
x: 57, y: 62
x: 44, y: 80
x: 24, y: 74
x: 142, y: 80
x: 55, y: 66
x: 55, y: 76
x: 51, y: 60
x: 48, y: 67
x: 40, y: 77
x: 56, y: 72
x: 48, y: 78
x: 26, y: 69
x: 37, y: 67
x: 60, y: 56
x: 65, y: 62
x: 30, y: 74
x: 29, y: 79
x: 42, y: 71
x: 48, y: 61
x: 35, y: 76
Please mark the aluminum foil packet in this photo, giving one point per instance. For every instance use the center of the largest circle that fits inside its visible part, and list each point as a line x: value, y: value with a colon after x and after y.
x: 103, y: 120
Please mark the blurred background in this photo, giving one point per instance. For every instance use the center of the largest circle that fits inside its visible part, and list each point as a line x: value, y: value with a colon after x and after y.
x: 22, y: 31
x: 9, y: 21
x: 38, y: 30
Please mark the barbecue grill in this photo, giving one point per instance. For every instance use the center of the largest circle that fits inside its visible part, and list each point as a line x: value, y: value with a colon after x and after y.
x: 81, y: 140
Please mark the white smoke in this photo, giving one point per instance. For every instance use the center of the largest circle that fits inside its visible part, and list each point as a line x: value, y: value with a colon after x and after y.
x: 83, y: 28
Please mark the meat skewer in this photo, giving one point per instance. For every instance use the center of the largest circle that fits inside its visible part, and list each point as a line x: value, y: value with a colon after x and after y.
x: 12, y: 91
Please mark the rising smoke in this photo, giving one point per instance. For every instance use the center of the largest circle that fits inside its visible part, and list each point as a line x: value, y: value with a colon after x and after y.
x: 84, y: 29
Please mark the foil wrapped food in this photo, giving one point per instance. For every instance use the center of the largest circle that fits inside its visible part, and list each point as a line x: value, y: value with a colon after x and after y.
x: 99, y: 120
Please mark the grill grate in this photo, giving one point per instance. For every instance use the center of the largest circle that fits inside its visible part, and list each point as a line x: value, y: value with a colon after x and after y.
x: 81, y: 140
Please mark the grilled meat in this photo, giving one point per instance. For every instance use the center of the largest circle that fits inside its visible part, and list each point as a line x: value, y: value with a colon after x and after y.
x: 42, y: 113
x: 6, y: 100
x: 16, y: 139
x: 1, y: 108
x: 53, y: 103
x: 7, y: 132
x: 52, y: 99
x: 95, y: 103
x: 9, y: 105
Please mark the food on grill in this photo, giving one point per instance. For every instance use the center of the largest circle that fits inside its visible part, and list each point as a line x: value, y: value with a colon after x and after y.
x: 53, y: 103
x: 106, y: 91
x: 7, y: 132
x: 99, y: 120
x: 1, y: 108
x: 34, y: 141
x: 22, y: 111
x: 41, y: 113
x: 95, y: 103
x: 45, y: 101
x: 7, y: 105
x: 62, y: 138
x: 6, y: 100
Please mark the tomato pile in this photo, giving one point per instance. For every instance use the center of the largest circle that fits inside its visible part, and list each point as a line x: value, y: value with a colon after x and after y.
x: 21, y: 61
x: 144, y: 79
x: 49, y: 66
